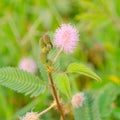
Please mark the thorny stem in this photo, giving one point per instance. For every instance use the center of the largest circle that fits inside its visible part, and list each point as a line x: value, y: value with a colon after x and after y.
x: 58, y: 54
x: 55, y: 95
x: 46, y: 110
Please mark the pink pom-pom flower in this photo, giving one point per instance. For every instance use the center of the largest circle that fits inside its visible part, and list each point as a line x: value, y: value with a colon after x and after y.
x: 66, y: 37
x: 30, y: 116
x: 78, y: 100
x: 28, y: 65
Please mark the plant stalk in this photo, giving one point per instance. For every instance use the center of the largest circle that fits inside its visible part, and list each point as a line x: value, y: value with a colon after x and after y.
x: 58, y: 54
x: 55, y: 96
x: 46, y: 110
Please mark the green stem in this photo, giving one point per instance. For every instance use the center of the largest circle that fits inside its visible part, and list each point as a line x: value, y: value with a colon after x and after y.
x: 46, y: 110
x: 58, y: 54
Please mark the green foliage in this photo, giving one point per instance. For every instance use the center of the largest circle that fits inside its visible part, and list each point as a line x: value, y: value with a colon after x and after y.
x: 105, y: 98
x: 99, y: 104
x: 82, y: 69
x: 116, y: 113
x: 96, y: 14
x: 43, y: 72
x: 63, y: 84
x: 89, y: 110
x: 31, y: 106
x: 5, y: 106
x: 21, y: 81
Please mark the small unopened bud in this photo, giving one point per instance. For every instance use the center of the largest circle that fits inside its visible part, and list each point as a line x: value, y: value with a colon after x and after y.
x: 42, y: 44
x: 78, y: 100
x: 46, y: 39
x: 49, y: 46
x: 45, y: 50
x: 31, y: 116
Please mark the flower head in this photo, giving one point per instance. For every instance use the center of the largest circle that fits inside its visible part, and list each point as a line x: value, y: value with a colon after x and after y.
x: 28, y: 65
x: 77, y: 100
x: 30, y: 116
x: 66, y: 37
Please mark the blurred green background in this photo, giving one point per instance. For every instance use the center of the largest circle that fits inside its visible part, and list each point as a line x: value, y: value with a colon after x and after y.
x: 23, y: 22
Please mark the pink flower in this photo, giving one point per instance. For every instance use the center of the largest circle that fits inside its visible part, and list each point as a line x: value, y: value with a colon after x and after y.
x: 77, y: 100
x: 31, y: 116
x: 66, y: 37
x: 28, y: 65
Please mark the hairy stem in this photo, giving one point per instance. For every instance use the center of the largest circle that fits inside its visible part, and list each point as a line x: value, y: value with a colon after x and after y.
x: 55, y: 96
x: 46, y: 110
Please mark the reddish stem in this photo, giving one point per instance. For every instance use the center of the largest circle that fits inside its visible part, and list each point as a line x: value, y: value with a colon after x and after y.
x: 55, y: 95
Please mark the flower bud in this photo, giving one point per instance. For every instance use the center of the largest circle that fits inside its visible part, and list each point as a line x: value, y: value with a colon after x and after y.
x: 48, y: 47
x: 77, y: 100
x: 45, y: 50
x: 30, y: 116
x: 42, y: 44
x: 46, y: 39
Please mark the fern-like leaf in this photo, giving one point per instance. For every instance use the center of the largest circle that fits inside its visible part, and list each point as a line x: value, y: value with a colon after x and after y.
x: 105, y: 97
x: 21, y: 81
x: 89, y: 110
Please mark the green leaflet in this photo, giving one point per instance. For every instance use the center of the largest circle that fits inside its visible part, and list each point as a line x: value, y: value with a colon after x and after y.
x: 21, y: 81
x: 63, y: 84
x: 82, y: 69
